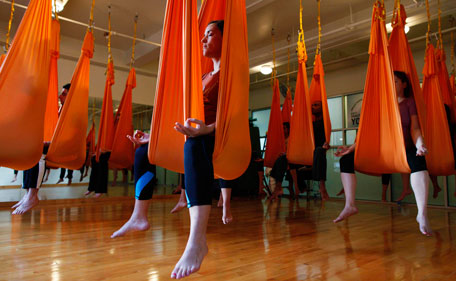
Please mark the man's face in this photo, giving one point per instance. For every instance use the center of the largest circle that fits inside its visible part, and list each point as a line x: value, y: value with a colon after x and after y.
x: 63, y: 95
x: 316, y: 107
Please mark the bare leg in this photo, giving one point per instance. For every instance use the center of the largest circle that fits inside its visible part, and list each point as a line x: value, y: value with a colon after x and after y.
x: 30, y: 201
x: 114, y: 181
x: 384, y: 190
x: 278, y: 191
x: 294, y: 176
x: 261, y: 186
x: 21, y: 201
x: 349, y: 183
x: 181, y: 204
x: 420, y: 186
x: 196, y: 248
x: 226, y: 201
x: 138, y: 220
x: 405, y: 187
x: 435, y: 185
x: 342, y: 191
x: 323, y: 191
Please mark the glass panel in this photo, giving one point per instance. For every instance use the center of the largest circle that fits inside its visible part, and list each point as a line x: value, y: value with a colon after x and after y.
x: 262, y: 120
x: 335, y: 112
x: 353, y: 110
x: 337, y: 138
x: 350, y: 136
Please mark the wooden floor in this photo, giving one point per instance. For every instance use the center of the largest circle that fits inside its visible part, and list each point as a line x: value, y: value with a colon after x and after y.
x: 280, y: 241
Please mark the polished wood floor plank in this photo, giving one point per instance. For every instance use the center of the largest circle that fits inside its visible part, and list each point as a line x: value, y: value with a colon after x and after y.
x: 285, y: 240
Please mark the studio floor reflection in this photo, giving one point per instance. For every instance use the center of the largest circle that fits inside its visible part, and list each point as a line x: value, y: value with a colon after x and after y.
x: 284, y: 240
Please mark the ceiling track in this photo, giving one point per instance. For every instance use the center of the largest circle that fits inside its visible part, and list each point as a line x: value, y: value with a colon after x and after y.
x: 113, y: 33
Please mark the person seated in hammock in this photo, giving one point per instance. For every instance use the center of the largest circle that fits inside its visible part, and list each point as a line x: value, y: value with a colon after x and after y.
x: 198, y: 150
x: 145, y: 181
x: 415, y: 150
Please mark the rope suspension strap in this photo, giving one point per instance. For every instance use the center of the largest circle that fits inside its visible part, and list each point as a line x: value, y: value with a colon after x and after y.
x: 396, y: 13
x: 56, y: 15
x: 288, y: 66
x: 132, y: 60
x: 9, y: 27
x: 109, y: 35
x: 440, y: 43
x: 318, y: 50
x: 302, y: 53
x: 428, y: 33
x: 273, y: 74
x: 91, y: 16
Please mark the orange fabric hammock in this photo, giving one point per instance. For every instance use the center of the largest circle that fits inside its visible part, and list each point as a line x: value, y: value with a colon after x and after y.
x: 301, y: 143
x: 380, y: 145
x: 402, y: 60
x: 444, y: 80
x: 179, y: 95
x: 440, y: 160
x: 2, y: 58
x: 68, y: 146
x: 122, y: 154
x: 51, y: 116
x: 287, y: 107
x: 275, y: 139
x: 24, y: 76
x: 318, y: 93
x: 106, y: 128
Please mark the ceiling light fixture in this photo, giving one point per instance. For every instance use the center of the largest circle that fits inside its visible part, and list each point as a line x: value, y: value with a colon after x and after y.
x: 389, y: 28
x: 59, y: 5
x: 266, y: 69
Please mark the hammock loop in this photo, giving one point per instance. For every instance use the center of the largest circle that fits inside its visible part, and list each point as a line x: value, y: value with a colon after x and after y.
x: 440, y: 41
x: 428, y: 33
x: 109, y: 35
x: 273, y: 74
x: 90, y: 27
x: 396, y: 13
x: 56, y: 14
x: 318, y: 50
x: 132, y: 61
x: 9, y: 26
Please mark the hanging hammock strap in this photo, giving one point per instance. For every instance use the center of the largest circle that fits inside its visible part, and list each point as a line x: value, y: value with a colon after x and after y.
x: 428, y: 33
x: 90, y: 27
x: 9, y: 27
x: 109, y: 35
x: 396, y: 13
x: 288, y: 65
x: 452, y: 53
x: 273, y: 74
x: 302, y: 53
x: 318, y: 50
x: 132, y: 60
x: 56, y: 14
x: 440, y: 43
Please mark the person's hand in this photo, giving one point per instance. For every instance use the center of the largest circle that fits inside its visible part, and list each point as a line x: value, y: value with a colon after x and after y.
x: 421, y: 149
x: 139, y: 137
x: 343, y: 150
x: 188, y: 130
x: 326, y: 146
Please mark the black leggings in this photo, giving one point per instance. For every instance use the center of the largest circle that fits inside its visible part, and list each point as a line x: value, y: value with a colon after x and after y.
x: 99, y: 176
x: 144, y: 174
x: 199, y: 170
x: 416, y: 163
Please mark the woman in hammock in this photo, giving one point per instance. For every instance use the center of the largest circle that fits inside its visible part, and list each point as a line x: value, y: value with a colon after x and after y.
x: 415, y: 149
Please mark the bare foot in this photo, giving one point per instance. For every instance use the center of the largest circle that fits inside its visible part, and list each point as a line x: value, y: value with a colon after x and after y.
x: 348, y: 211
x: 324, y: 194
x: 131, y: 226
x: 98, y: 195
x: 88, y: 192
x: 404, y: 194
x: 81, y: 177
x: 227, y: 216
x: 342, y: 191
x: 425, y: 228
x: 275, y: 195
x: 190, y: 262
x: 437, y: 189
x: 179, y: 206
x: 59, y: 181
x: 20, y: 202
x: 28, y: 204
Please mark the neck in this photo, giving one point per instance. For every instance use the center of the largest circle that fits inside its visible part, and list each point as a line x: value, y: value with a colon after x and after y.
x: 216, y: 62
x: 400, y: 96
x: 318, y: 116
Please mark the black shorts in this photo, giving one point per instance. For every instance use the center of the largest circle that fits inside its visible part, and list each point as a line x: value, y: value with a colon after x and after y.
x: 416, y: 163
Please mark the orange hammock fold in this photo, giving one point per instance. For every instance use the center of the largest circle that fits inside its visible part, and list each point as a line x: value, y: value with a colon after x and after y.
x: 402, y: 60
x: 287, y: 107
x: 68, y: 146
x: 444, y: 80
x: 275, y: 139
x: 179, y: 91
x: 122, y: 154
x: 318, y: 93
x: 440, y: 160
x: 301, y: 143
x: 51, y: 116
x: 2, y: 58
x: 106, y: 129
x: 24, y: 77
x: 380, y: 145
